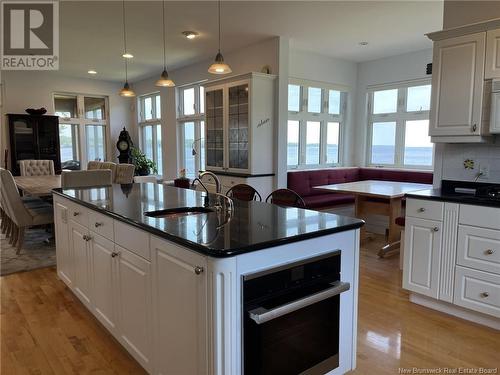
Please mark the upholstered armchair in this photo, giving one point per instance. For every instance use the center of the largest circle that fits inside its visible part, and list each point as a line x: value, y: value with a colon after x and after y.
x: 91, y: 165
x: 36, y: 167
x: 96, y: 177
x: 124, y: 173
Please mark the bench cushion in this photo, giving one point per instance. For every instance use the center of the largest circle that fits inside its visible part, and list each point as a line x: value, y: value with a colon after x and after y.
x: 327, y: 199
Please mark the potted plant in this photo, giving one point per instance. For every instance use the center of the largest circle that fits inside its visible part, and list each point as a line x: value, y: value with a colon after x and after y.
x: 143, y: 165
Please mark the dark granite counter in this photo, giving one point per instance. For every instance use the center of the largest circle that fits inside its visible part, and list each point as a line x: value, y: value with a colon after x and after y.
x: 253, y: 225
x: 450, y: 196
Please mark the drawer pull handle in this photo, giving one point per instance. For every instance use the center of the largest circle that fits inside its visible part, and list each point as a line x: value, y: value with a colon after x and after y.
x: 87, y: 238
x: 489, y: 251
x: 97, y: 225
x: 198, y: 270
x: 435, y: 229
x: 114, y: 254
x: 421, y: 209
x: 76, y: 213
x: 485, y: 294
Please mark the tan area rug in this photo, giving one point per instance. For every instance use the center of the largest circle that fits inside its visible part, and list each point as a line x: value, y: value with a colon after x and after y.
x: 34, y: 254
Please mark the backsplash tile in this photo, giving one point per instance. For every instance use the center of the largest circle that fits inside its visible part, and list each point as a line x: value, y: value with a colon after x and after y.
x: 482, y: 154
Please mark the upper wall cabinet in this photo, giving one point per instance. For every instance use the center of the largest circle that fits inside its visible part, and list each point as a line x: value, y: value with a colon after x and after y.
x: 465, y: 61
x: 492, y: 63
x: 240, y: 124
x: 458, y: 89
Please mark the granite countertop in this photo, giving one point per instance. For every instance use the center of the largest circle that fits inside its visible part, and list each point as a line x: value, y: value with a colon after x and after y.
x: 451, y: 196
x: 253, y: 225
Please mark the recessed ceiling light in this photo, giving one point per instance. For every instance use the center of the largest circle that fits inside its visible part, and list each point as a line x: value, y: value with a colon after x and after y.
x: 190, y: 34
x: 92, y: 72
x: 128, y: 55
x: 363, y: 43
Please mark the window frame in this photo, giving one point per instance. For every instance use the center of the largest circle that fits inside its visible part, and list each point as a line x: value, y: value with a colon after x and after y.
x: 81, y: 122
x: 400, y: 117
x: 154, y: 122
x: 197, y: 118
x: 303, y: 116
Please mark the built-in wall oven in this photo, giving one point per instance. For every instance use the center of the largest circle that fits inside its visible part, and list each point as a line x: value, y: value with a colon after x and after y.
x: 291, y: 318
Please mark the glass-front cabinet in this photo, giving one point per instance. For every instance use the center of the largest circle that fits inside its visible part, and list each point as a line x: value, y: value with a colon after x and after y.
x: 239, y: 120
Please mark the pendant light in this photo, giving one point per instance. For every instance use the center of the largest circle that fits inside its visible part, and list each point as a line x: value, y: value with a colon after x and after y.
x: 164, y: 81
x: 219, y: 66
x: 126, y: 91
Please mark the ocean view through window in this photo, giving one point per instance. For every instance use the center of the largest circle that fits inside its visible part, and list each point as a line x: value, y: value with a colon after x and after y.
x: 398, y: 126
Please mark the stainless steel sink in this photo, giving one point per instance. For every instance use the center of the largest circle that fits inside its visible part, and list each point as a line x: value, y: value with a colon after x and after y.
x: 178, y: 212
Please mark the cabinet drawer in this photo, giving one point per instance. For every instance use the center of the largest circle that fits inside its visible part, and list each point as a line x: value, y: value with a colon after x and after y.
x: 132, y: 239
x: 480, y: 216
x: 79, y: 214
x: 479, y: 248
x: 477, y: 290
x: 425, y: 209
x: 101, y: 224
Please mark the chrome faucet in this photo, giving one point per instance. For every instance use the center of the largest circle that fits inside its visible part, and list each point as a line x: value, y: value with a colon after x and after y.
x: 214, y: 176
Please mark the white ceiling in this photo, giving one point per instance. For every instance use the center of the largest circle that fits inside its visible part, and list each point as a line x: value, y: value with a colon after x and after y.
x: 92, y: 38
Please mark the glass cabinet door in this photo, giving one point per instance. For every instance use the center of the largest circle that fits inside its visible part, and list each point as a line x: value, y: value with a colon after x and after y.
x: 24, y: 139
x: 238, y: 126
x: 215, y: 128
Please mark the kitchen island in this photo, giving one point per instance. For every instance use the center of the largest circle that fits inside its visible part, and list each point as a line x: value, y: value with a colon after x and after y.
x: 170, y: 288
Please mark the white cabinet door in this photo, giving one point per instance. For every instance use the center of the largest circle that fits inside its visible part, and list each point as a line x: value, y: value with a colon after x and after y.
x: 422, y: 256
x: 134, y: 305
x: 180, y: 309
x: 82, y: 257
x: 492, y: 63
x: 457, y: 86
x: 103, y: 305
x: 64, y: 253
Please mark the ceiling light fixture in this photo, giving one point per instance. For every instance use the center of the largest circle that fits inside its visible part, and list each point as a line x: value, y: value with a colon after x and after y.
x: 126, y: 91
x: 219, y: 66
x: 128, y: 55
x: 190, y: 34
x: 164, y: 80
x: 92, y: 72
x: 363, y: 43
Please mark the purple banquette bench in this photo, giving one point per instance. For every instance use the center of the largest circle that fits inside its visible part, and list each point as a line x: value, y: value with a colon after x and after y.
x: 303, y: 182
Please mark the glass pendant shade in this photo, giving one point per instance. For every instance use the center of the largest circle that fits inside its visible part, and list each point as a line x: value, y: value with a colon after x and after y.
x: 219, y: 66
x: 164, y: 80
x: 126, y: 91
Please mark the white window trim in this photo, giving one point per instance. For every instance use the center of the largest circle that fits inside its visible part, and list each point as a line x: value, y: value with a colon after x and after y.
x: 197, y: 118
x: 154, y: 121
x: 81, y: 122
x: 400, y: 117
x: 324, y: 118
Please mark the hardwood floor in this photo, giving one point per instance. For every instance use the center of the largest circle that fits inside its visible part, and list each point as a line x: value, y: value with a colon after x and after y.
x: 45, y: 329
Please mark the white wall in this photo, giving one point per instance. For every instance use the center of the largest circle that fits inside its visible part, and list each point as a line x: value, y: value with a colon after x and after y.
x: 248, y: 59
x: 316, y: 67
x: 34, y: 89
x: 406, y: 67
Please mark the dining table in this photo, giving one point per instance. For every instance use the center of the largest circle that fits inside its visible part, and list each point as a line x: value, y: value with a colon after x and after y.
x: 373, y: 197
x: 38, y: 185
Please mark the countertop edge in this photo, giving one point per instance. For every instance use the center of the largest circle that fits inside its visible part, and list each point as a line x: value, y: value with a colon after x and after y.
x: 206, y: 250
x: 460, y: 199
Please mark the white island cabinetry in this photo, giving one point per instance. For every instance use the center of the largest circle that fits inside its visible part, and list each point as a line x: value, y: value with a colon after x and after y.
x: 177, y: 311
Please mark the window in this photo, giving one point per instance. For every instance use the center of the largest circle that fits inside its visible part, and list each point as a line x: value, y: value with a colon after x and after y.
x: 83, y: 127
x: 150, y: 128
x: 399, y: 126
x: 191, y: 122
x: 315, y: 121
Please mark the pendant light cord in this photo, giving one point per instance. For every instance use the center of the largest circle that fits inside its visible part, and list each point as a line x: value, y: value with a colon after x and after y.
x: 164, y: 38
x: 218, y: 6
x: 124, y: 40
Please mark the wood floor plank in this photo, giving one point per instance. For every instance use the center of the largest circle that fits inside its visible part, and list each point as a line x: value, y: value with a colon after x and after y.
x: 44, y: 329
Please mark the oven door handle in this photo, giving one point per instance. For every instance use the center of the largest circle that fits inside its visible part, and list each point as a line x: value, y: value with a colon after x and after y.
x: 262, y: 315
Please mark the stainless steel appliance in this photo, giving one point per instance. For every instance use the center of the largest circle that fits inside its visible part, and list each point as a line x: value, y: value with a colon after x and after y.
x: 291, y: 318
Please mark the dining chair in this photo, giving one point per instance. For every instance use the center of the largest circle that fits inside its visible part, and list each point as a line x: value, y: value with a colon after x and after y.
x: 244, y: 192
x: 286, y: 197
x: 94, y: 164
x: 124, y: 174
x: 75, y: 179
x: 36, y: 167
x: 20, y: 215
x: 143, y: 179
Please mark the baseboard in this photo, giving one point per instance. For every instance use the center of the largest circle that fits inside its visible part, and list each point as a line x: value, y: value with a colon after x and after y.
x: 455, y: 310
